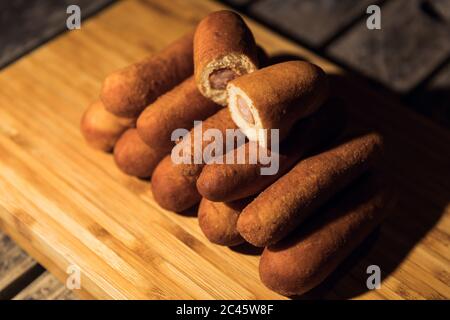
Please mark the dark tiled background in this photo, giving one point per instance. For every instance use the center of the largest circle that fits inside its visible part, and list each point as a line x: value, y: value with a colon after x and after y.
x: 27, y: 24
x: 409, y: 58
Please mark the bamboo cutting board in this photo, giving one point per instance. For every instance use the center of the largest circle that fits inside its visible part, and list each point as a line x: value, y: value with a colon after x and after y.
x: 67, y: 204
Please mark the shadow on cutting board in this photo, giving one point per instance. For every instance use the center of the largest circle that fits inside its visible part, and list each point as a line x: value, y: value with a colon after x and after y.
x: 414, y: 213
x: 421, y: 180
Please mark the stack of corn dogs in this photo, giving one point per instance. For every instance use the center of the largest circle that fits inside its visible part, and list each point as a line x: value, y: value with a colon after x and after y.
x: 321, y: 203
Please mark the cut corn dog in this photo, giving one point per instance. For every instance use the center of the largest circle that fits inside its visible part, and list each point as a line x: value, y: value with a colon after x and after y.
x: 174, y: 185
x: 218, y: 221
x: 128, y: 91
x: 302, y: 261
x: 101, y: 129
x: 224, y: 48
x: 134, y: 157
x: 228, y: 182
x: 287, y: 202
x: 276, y: 97
x: 178, y: 108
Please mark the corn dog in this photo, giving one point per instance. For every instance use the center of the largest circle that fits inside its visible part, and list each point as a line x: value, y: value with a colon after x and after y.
x: 228, y: 182
x: 101, y: 129
x: 224, y: 48
x: 293, y: 197
x: 218, y: 221
x: 173, y: 185
x: 302, y: 261
x: 128, y: 91
x: 134, y: 157
x: 177, y: 108
x: 276, y: 97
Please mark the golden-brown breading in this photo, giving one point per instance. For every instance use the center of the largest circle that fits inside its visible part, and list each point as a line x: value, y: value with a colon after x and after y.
x: 276, y: 97
x: 174, y: 185
x: 228, y: 182
x: 218, y: 221
x: 178, y: 108
x: 291, y: 199
x: 302, y: 261
x: 101, y: 129
x: 134, y: 157
x: 224, y: 48
x: 128, y: 91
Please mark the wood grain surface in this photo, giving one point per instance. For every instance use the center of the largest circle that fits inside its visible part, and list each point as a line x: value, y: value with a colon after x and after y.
x: 67, y: 204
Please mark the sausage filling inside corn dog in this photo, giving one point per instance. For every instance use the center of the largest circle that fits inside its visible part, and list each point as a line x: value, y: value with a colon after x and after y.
x: 244, y: 110
x: 219, y: 78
